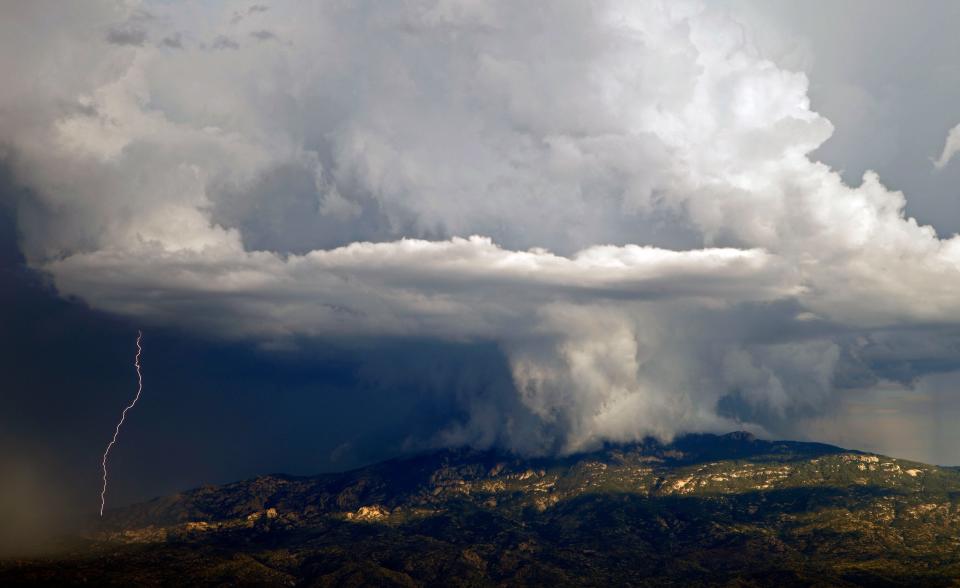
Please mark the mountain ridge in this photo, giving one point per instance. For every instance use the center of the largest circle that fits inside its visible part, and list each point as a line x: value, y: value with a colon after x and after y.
x: 702, y: 510
x: 685, y: 450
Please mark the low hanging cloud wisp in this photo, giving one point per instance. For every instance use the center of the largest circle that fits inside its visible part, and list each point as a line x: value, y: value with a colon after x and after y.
x: 657, y: 252
x: 950, y: 148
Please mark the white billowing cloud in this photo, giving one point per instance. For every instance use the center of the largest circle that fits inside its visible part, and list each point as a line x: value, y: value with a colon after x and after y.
x: 457, y: 288
x: 950, y: 148
x: 659, y: 254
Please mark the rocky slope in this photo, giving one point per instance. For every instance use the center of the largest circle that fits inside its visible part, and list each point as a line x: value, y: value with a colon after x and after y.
x: 704, y: 510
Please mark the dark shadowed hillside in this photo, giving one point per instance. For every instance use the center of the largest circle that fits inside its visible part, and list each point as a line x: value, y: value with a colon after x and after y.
x: 704, y: 510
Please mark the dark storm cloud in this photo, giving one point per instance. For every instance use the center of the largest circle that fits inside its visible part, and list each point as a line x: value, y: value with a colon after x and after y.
x: 624, y: 198
x: 212, y: 412
x: 239, y: 15
x: 174, y: 41
x: 223, y: 42
x: 263, y: 35
x: 127, y: 36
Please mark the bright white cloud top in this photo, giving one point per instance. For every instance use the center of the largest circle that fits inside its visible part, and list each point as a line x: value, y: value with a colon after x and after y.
x: 657, y: 252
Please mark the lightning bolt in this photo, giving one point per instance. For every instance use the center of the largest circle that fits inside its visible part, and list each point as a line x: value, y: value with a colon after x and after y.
x: 136, y: 363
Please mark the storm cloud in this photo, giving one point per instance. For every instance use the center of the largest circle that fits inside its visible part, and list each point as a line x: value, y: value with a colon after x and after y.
x: 621, y: 196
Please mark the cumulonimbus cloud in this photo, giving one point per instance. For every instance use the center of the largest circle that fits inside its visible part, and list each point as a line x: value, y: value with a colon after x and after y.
x: 659, y: 252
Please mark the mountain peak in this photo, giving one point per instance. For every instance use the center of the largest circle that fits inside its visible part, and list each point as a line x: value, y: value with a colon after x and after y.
x: 740, y: 436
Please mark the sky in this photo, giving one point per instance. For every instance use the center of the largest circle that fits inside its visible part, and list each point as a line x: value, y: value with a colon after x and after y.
x: 351, y: 230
